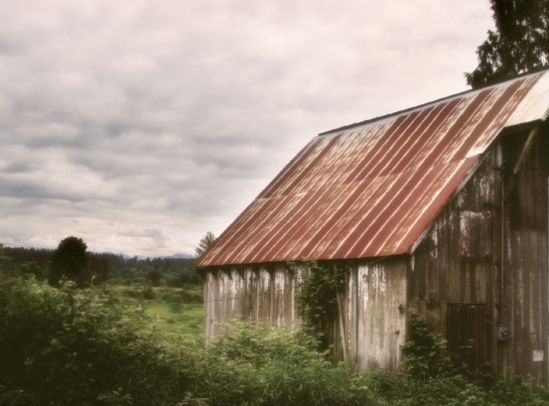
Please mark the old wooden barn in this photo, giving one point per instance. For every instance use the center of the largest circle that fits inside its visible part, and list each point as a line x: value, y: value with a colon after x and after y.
x: 440, y: 209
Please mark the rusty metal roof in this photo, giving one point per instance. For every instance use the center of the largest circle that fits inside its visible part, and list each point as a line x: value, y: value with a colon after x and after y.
x: 372, y: 189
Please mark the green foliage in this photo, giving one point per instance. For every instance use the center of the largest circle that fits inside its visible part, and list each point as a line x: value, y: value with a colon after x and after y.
x: 185, y: 295
x: 142, y: 290
x: 67, y: 346
x: 139, y: 281
x: 81, y: 347
x: 98, y: 270
x: 520, y: 43
x: 425, y: 350
x: 169, y: 295
x: 187, y: 319
x: 204, y: 243
x: 69, y: 260
x: 449, y: 390
x: 268, y: 366
x: 29, y: 261
x: 154, y: 277
x: 243, y: 342
x: 175, y: 272
x: 4, y: 259
x: 316, y: 298
x: 506, y: 392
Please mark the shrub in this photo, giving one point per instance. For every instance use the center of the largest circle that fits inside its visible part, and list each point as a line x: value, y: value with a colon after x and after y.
x: 63, y: 346
x: 506, y: 392
x: 268, y: 366
x: 425, y: 350
x: 139, y: 281
x: 172, y: 298
x: 176, y: 296
x: 148, y: 292
x: 139, y: 291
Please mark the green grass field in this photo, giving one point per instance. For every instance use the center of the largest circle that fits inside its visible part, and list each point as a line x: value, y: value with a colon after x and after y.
x: 173, y: 319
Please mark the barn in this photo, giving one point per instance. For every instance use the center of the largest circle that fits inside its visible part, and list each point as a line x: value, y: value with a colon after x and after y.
x: 440, y: 209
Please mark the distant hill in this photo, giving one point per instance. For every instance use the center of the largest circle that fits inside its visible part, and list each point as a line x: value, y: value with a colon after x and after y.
x: 181, y: 256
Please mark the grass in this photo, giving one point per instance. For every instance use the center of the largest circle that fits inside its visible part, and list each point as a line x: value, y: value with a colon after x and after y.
x: 173, y: 319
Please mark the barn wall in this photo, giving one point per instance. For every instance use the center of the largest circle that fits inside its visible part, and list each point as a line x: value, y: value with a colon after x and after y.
x: 380, y: 312
x: 526, y: 281
x: 458, y: 262
x: 253, y: 293
x: 373, y: 301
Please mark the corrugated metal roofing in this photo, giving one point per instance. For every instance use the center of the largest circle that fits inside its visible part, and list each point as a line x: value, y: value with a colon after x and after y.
x: 372, y: 189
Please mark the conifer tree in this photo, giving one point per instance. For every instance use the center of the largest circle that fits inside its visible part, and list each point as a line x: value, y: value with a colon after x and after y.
x: 204, y: 243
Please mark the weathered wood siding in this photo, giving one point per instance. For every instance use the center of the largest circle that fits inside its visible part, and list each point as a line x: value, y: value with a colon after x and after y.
x: 373, y: 306
x: 253, y: 293
x: 380, y: 310
x: 459, y: 259
x: 526, y: 275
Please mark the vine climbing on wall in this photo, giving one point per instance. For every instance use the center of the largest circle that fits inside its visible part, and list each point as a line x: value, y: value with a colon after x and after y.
x: 317, y: 297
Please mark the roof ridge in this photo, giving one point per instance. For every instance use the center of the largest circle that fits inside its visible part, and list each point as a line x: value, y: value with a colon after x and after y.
x: 406, y: 110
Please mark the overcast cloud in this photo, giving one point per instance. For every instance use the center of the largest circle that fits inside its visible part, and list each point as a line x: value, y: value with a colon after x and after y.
x: 141, y: 125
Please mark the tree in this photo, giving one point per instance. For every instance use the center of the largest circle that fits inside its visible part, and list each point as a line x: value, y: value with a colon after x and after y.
x: 98, y: 270
x: 4, y: 259
x: 204, y: 243
x: 69, y: 259
x: 154, y: 276
x: 520, y: 43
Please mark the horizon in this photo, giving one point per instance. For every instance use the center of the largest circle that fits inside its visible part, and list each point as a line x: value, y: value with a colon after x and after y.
x: 125, y: 256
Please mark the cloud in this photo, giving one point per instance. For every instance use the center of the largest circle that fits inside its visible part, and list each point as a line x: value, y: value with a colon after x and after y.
x: 140, y: 125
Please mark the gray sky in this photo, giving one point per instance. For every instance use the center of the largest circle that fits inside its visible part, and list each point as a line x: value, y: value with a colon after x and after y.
x: 141, y: 125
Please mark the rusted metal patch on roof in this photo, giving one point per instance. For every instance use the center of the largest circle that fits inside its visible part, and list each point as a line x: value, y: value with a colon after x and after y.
x: 372, y: 189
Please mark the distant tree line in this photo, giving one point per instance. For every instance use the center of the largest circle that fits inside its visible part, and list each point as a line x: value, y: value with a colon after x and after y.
x: 72, y: 261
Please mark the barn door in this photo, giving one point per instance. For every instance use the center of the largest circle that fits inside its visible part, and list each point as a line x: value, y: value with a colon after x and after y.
x: 467, y: 334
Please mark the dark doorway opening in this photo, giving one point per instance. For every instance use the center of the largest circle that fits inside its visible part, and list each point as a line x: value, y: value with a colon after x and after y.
x: 467, y: 335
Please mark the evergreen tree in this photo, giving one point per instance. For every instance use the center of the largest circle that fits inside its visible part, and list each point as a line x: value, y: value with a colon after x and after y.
x: 520, y: 43
x: 69, y: 259
x: 204, y: 243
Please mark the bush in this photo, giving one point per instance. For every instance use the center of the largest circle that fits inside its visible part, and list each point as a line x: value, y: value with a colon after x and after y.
x: 145, y: 291
x: 506, y: 392
x: 63, y: 346
x: 425, y: 350
x: 268, y: 366
x: 148, y: 292
x: 139, y: 281
x: 173, y: 296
